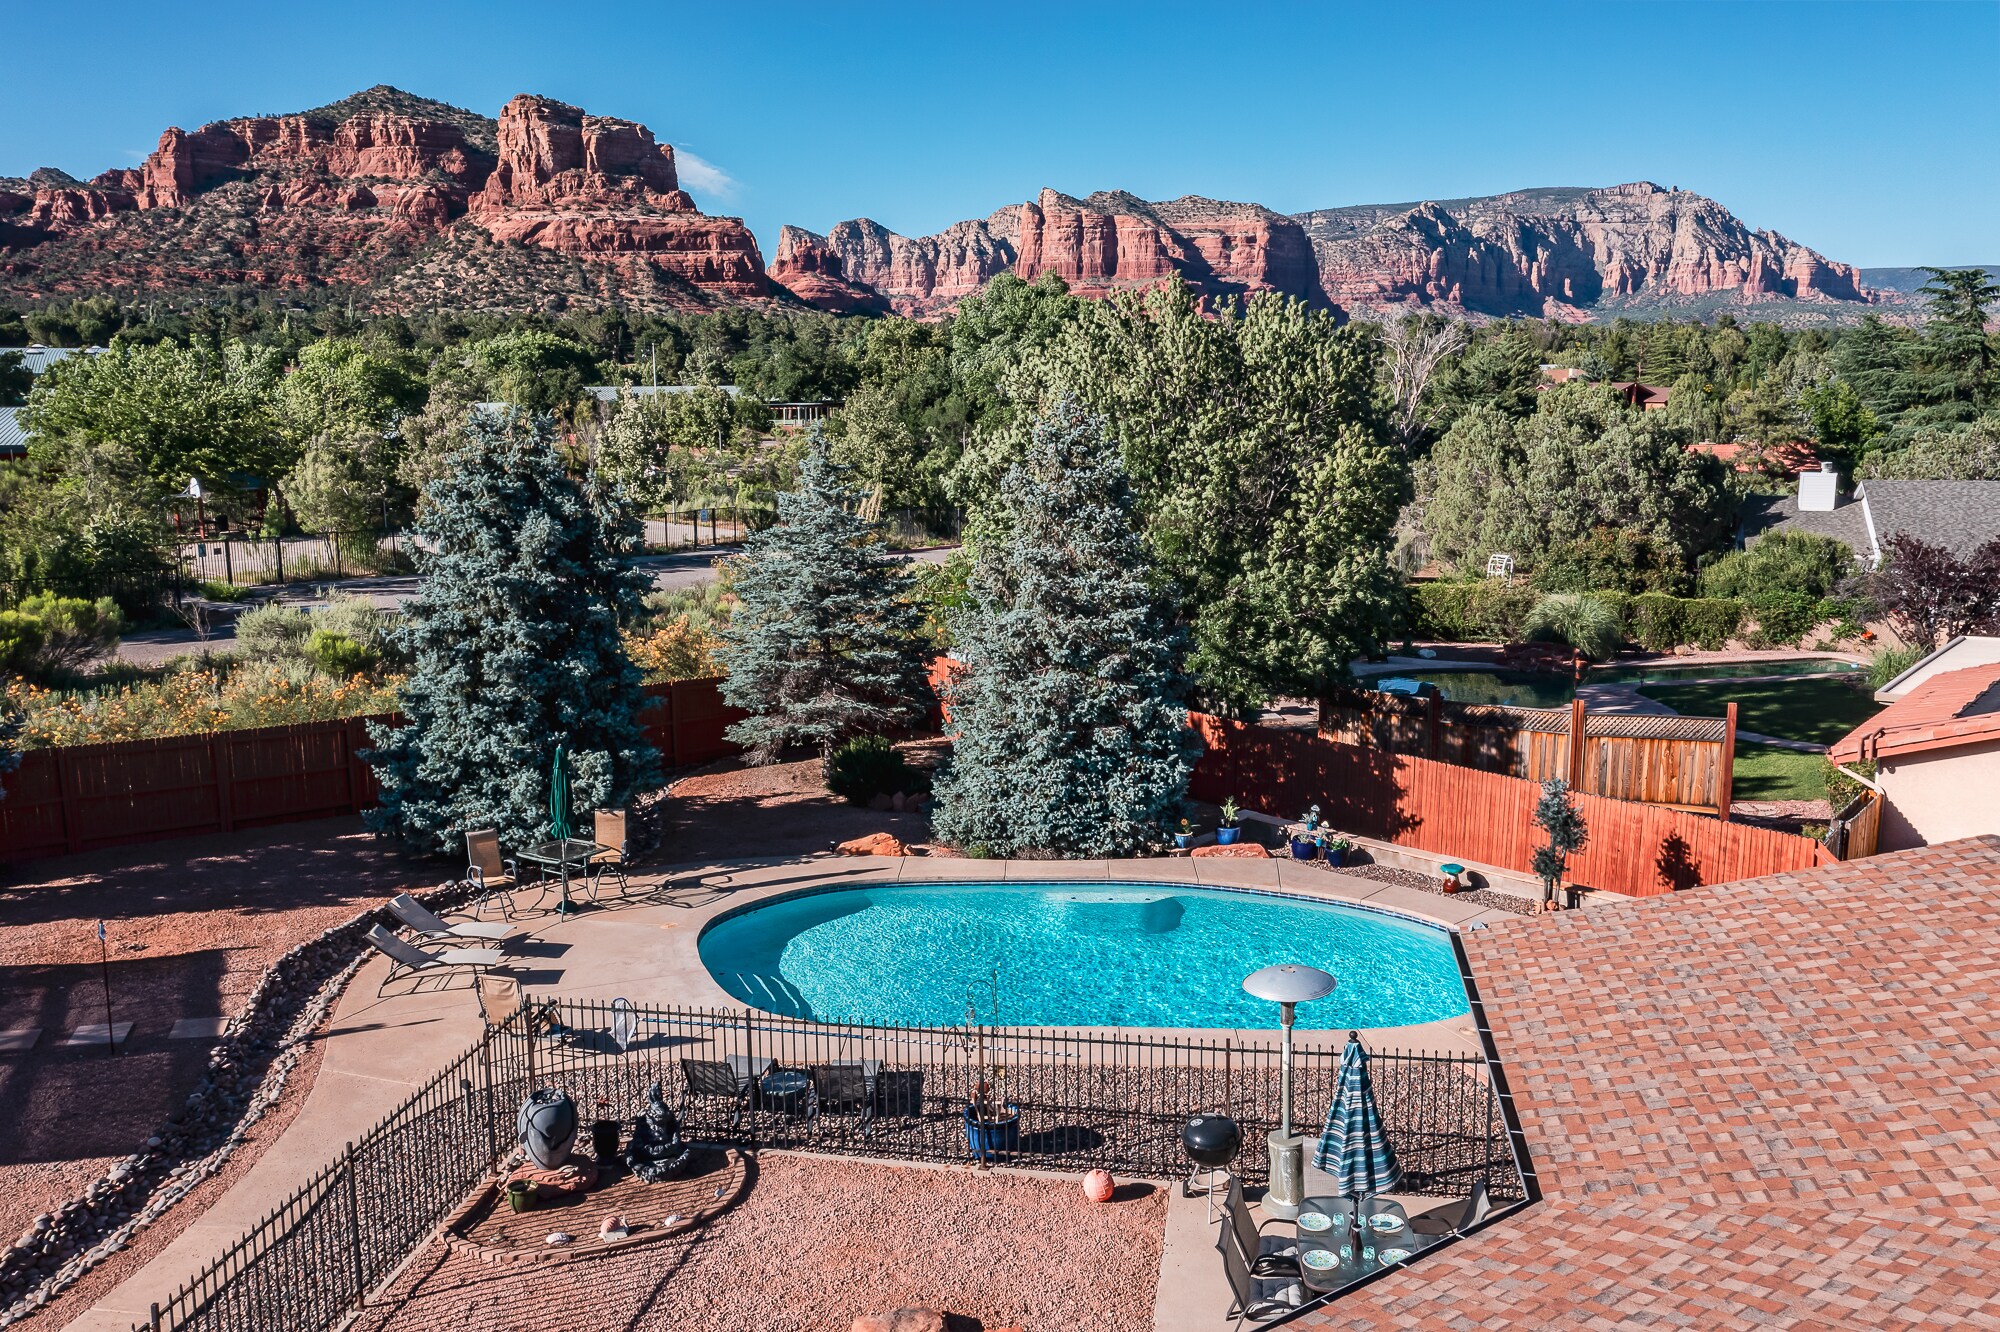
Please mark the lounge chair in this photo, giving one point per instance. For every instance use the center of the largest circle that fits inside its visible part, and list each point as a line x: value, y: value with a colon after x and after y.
x: 1475, y: 1210
x: 608, y: 830
x: 493, y: 878
x: 420, y: 918
x: 406, y: 959
x: 1269, y: 1255
x: 715, y: 1080
x: 1253, y: 1298
x: 844, y: 1089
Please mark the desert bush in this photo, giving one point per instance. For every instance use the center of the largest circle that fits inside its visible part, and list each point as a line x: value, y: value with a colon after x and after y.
x: 1889, y: 663
x: 1581, y: 621
x: 191, y: 701
x: 1490, y: 610
x: 272, y: 633
x: 679, y: 649
x: 868, y: 766
x: 334, y: 653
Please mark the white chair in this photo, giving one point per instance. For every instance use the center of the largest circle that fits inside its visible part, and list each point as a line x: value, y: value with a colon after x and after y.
x: 420, y: 918
x: 406, y: 959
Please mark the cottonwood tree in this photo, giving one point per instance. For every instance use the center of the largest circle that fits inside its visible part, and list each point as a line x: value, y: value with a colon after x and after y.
x: 1070, y: 710
x: 1416, y: 347
x: 514, y: 645
x: 826, y: 640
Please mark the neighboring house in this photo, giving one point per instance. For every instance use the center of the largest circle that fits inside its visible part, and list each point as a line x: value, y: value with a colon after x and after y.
x: 1961, y: 653
x: 1937, y: 757
x: 36, y: 358
x: 610, y: 392
x: 1645, y: 397
x: 13, y: 439
x: 1562, y: 374
x: 1961, y: 516
x: 1791, y: 456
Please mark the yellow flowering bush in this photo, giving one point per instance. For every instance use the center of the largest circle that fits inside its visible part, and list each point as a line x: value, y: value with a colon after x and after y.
x: 677, y: 649
x: 192, y: 701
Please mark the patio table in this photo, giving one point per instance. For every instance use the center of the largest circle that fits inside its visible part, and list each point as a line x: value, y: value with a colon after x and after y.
x: 563, y: 856
x: 1339, y: 1241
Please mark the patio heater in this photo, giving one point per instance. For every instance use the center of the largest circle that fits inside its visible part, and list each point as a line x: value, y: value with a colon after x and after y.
x: 1287, y: 985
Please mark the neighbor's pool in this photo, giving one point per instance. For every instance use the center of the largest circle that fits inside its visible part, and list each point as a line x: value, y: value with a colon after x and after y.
x: 1522, y: 689
x: 1084, y: 955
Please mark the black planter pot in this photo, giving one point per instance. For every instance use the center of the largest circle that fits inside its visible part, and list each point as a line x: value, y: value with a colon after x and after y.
x: 604, y: 1140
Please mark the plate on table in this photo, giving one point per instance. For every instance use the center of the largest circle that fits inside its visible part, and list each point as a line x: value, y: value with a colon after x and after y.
x: 1383, y: 1224
x: 1320, y: 1260
x: 1389, y: 1256
x: 1315, y: 1221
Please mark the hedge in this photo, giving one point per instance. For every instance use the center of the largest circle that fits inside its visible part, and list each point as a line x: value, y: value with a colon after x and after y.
x: 1661, y: 623
x: 1495, y: 610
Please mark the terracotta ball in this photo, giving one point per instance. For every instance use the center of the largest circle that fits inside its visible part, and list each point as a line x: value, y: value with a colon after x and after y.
x: 1097, y: 1186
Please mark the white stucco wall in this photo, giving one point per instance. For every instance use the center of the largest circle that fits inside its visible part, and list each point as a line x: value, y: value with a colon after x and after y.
x: 1939, y: 796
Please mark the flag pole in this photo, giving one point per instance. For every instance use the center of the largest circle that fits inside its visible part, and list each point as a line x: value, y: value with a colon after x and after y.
x: 104, y: 960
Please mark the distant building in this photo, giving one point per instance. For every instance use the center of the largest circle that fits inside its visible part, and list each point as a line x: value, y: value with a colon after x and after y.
x: 1937, y: 757
x: 13, y: 439
x: 36, y: 359
x: 1790, y: 457
x: 1961, y: 653
x: 1562, y: 374
x: 610, y: 392
x: 1643, y: 397
x: 804, y: 413
x: 1960, y: 516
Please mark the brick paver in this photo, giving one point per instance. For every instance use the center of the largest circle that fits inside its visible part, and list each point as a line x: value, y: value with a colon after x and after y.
x: 1773, y: 1103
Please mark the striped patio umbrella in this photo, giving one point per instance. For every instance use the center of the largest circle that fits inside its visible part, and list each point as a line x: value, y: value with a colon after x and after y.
x: 1354, y: 1147
x: 559, y: 825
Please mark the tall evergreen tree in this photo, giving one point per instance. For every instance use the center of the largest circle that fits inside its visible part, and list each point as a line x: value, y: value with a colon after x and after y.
x: 515, y: 647
x: 1960, y: 352
x: 1558, y: 817
x: 826, y: 641
x: 1070, y: 713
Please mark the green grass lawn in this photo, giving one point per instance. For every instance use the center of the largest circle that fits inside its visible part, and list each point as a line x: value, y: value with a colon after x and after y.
x: 1816, y: 711
x: 1764, y: 772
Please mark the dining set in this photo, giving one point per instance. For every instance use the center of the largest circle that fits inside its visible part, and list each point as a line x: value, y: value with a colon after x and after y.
x: 590, y: 860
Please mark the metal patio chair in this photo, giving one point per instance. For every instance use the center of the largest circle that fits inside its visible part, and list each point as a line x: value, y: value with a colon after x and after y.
x: 715, y: 1080
x: 608, y: 830
x: 493, y: 877
x: 406, y: 959
x: 1268, y: 1255
x: 1253, y: 1298
x: 424, y: 921
x: 843, y: 1089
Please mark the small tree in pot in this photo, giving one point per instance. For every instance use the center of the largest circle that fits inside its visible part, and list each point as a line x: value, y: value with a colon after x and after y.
x: 1556, y: 814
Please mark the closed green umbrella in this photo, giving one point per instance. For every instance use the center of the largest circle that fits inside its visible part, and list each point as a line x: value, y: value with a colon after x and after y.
x: 559, y: 825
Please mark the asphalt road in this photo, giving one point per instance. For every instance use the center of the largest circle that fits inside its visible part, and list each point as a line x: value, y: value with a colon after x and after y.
x: 682, y: 568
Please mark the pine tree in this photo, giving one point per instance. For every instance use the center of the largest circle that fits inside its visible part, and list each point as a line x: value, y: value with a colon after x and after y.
x: 1072, y: 734
x: 1557, y: 815
x: 826, y: 641
x: 514, y: 641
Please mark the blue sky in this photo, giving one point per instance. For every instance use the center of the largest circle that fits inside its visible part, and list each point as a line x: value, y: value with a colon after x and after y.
x: 1864, y: 130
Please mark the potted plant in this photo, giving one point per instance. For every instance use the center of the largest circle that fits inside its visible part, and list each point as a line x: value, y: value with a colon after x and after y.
x: 521, y: 1196
x: 1305, y: 845
x: 1558, y: 817
x: 1184, y: 835
x: 1311, y: 819
x: 1337, y: 849
x: 992, y: 1123
x: 1225, y: 832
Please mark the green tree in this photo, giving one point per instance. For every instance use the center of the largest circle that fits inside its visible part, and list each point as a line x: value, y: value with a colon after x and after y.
x: 514, y: 649
x: 1562, y: 823
x: 1964, y: 453
x: 1070, y: 712
x: 14, y: 379
x: 1875, y: 358
x: 826, y: 640
x: 654, y: 442
x: 1957, y: 346
x: 1841, y: 421
x: 541, y: 373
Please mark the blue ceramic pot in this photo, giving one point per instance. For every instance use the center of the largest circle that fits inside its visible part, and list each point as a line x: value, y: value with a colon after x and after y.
x: 987, y: 1139
x: 1304, y: 848
x: 1226, y: 836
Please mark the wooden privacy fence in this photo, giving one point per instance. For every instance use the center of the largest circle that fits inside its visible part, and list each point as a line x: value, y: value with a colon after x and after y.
x: 82, y: 797
x: 1451, y: 810
x: 1684, y: 762
x: 1856, y: 831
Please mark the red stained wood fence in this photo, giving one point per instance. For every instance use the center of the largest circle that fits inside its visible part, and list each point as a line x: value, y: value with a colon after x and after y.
x: 82, y: 797
x: 1487, y: 817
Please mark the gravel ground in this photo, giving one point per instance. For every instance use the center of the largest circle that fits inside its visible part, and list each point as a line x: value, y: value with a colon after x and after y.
x: 731, y: 809
x: 191, y: 925
x: 1428, y: 883
x: 817, y: 1242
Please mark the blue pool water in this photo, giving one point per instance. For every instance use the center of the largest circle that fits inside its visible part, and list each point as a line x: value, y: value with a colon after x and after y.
x: 1095, y: 955
x: 1522, y: 689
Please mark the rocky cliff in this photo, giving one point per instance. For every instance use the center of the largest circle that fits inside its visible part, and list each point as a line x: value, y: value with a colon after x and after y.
x: 402, y: 200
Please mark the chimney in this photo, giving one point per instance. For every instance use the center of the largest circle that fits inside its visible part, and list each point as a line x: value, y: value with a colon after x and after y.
x: 1819, y: 492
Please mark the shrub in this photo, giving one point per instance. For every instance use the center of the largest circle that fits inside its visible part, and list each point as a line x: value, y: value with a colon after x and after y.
x: 1583, y: 622
x: 74, y: 630
x: 1784, y: 617
x: 1623, y: 559
x: 1841, y: 789
x: 272, y: 633
x: 337, y: 655
x: 1491, y: 610
x: 20, y: 640
x: 191, y: 701
x: 1710, y: 622
x: 677, y: 650
x: 1889, y: 663
x: 214, y: 590
x: 868, y: 766
x: 1804, y: 563
x: 1660, y: 623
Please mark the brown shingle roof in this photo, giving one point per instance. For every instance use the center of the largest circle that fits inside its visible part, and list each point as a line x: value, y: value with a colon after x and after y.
x: 1955, y: 708
x: 1773, y: 1103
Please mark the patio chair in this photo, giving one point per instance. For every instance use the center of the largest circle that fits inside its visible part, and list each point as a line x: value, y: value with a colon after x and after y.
x: 1268, y: 1255
x: 500, y: 999
x: 1254, y: 1299
x: 420, y: 918
x: 715, y: 1080
x: 1475, y: 1210
x: 608, y: 830
x: 844, y: 1089
x: 406, y: 959
x: 493, y: 878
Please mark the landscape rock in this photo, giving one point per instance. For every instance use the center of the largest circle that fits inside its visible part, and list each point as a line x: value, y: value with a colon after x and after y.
x: 1234, y: 851
x: 874, y: 844
x: 900, y: 1320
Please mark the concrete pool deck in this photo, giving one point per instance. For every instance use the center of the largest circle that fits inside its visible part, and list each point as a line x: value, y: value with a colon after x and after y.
x: 377, y: 1051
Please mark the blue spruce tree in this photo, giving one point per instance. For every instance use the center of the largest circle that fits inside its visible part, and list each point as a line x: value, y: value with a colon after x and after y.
x: 1070, y: 713
x: 826, y: 641
x: 514, y: 645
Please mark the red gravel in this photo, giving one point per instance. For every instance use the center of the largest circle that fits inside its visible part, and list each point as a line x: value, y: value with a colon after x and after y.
x: 191, y: 925
x: 730, y: 809
x: 817, y: 1242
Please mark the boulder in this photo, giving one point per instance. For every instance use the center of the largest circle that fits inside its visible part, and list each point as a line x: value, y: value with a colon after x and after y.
x: 900, y: 1320
x: 1234, y: 851
x: 874, y: 844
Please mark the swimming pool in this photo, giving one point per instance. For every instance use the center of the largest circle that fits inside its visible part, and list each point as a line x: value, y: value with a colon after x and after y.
x: 1524, y: 689
x: 1085, y: 955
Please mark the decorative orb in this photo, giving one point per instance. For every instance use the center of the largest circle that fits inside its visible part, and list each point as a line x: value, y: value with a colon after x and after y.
x: 1097, y: 1186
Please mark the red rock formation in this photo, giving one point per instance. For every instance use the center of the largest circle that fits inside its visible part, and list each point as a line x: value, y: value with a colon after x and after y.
x: 811, y: 270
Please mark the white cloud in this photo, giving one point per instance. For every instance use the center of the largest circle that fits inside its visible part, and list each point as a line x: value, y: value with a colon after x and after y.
x: 700, y: 174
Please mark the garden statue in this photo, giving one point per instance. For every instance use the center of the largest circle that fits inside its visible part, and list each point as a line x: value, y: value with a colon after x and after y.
x: 656, y: 1152
x: 548, y: 1125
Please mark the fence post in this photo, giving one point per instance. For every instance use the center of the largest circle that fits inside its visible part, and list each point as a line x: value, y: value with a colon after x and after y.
x: 154, y: 1319
x: 354, y: 1231
x: 72, y: 815
x: 1726, y: 778
x: 1576, y: 733
x: 486, y: 1068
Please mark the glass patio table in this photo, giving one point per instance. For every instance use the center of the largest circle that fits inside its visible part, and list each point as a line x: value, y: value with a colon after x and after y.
x: 1347, y: 1262
x: 562, y: 857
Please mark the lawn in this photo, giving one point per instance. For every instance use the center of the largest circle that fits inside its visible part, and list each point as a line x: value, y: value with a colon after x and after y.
x: 1816, y: 711
x: 1765, y: 772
